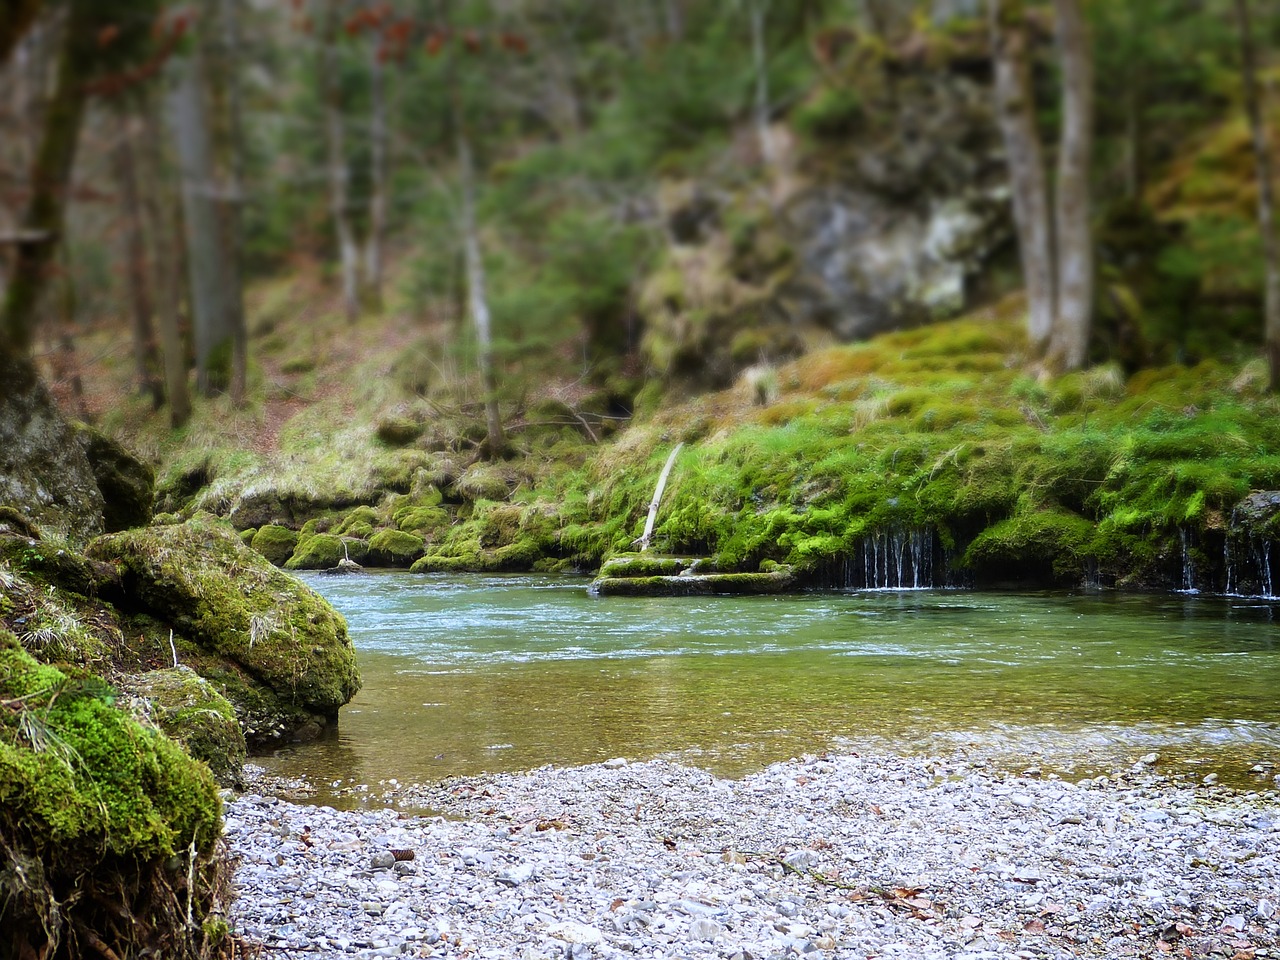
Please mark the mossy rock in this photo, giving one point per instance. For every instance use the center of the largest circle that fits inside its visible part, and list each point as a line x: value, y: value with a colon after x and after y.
x: 323, y: 551
x: 485, y: 481
x: 1043, y: 545
x: 394, y: 548
x: 781, y: 580
x: 188, y: 709
x: 246, y: 536
x: 421, y: 519
x: 243, y: 619
x: 398, y: 431
x: 362, y: 516
x: 275, y: 542
x: 92, y: 799
x: 644, y: 565
x: 128, y: 485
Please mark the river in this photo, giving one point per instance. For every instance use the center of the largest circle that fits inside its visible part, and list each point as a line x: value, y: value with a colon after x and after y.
x: 472, y: 674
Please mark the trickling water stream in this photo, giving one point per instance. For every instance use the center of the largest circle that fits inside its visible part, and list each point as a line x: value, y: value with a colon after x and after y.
x: 466, y: 674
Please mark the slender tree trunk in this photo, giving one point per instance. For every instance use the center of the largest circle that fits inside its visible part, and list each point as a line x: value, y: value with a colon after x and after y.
x: 339, y: 202
x: 1070, y: 349
x: 50, y: 182
x: 477, y: 302
x: 759, y: 11
x: 205, y: 262
x: 228, y: 136
x: 674, y: 16
x: 1031, y: 210
x: 167, y: 231
x: 146, y: 357
x: 378, y: 180
x: 1266, y: 197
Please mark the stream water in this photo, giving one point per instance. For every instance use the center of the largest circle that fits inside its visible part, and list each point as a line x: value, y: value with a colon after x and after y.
x: 469, y: 674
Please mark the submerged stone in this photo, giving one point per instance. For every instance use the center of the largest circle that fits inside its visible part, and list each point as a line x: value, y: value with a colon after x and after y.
x: 695, y: 585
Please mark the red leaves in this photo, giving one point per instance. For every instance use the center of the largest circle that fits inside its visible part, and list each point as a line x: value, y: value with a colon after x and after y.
x: 107, y: 35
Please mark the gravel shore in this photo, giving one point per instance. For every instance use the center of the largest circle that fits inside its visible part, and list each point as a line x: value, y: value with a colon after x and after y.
x: 840, y: 856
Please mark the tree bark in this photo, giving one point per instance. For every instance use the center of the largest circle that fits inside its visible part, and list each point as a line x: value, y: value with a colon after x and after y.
x: 205, y: 262
x: 146, y: 358
x: 1266, y: 197
x: 167, y: 231
x: 228, y: 136
x: 1015, y: 109
x: 377, y: 180
x: 477, y: 302
x: 1075, y: 283
x: 339, y: 202
x: 50, y: 182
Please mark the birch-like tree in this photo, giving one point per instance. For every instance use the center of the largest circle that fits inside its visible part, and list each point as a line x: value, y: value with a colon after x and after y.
x: 1266, y: 197
x: 1055, y: 239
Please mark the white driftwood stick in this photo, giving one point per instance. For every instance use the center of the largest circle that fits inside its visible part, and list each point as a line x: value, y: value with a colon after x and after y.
x: 657, y: 497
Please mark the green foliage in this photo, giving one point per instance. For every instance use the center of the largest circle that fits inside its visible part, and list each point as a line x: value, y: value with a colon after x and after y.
x: 833, y: 114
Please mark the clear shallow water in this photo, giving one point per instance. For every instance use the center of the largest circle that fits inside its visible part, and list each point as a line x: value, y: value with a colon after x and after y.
x: 472, y: 674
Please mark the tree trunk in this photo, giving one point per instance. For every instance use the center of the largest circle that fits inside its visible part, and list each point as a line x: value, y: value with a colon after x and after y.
x: 167, y: 231
x: 50, y: 182
x: 146, y: 357
x: 1070, y: 349
x: 1031, y: 212
x: 476, y: 300
x: 205, y: 262
x: 759, y: 10
x: 377, y: 180
x: 339, y: 203
x: 1266, y: 198
x: 228, y: 136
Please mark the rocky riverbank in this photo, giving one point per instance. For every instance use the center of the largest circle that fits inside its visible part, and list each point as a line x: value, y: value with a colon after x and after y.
x: 834, y: 856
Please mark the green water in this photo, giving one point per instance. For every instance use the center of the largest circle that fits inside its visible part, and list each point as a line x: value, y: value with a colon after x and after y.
x: 469, y: 674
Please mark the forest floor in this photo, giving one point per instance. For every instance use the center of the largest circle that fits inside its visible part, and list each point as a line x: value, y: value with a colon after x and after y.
x: 843, y: 856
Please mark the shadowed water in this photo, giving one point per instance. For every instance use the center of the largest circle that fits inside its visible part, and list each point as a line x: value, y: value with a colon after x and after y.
x: 468, y: 674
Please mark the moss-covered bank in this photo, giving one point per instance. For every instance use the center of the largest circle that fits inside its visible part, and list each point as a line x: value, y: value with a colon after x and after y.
x: 108, y: 828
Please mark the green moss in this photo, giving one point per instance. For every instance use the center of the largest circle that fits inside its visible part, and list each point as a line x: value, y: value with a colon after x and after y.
x: 276, y: 543
x: 398, y: 431
x: 394, y: 548
x: 1043, y: 543
x: 77, y: 774
x: 187, y: 708
x: 643, y: 565
x: 246, y: 536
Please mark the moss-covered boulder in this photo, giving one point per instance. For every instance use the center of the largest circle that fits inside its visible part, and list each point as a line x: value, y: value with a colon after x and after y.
x: 485, y: 481
x: 128, y: 485
x: 98, y: 817
x: 188, y: 709
x: 394, y: 548
x: 397, y: 431
x: 275, y: 542
x: 421, y: 520
x: 271, y: 645
x: 322, y: 551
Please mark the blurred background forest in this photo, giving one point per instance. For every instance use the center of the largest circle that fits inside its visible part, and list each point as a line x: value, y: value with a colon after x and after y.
x: 318, y: 232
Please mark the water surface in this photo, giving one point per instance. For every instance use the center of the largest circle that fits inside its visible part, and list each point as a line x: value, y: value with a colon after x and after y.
x: 470, y: 674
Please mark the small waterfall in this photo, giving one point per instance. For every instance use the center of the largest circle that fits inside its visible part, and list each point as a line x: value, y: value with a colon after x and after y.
x: 895, y: 559
x: 1248, y: 565
x: 1188, y: 566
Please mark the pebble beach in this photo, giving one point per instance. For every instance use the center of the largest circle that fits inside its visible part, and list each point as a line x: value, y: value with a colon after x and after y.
x: 831, y: 856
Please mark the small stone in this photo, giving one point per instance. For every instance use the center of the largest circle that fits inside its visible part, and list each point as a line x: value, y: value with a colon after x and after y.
x: 1236, y: 922
x: 572, y: 932
x: 788, y: 909
x: 522, y: 873
x: 1154, y: 816
x: 1021, y: 800
x: 802, y: 860
x: 1149, y: 759
x: 704, y: 928
x: 382, y: 860
x: 616, y: 763
x: 1266, y: 909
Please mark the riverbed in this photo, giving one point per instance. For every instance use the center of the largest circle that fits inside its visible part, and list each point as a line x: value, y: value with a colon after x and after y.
x: 468, y: 675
